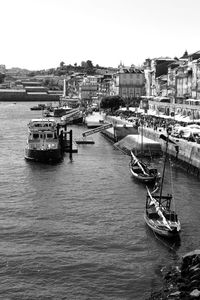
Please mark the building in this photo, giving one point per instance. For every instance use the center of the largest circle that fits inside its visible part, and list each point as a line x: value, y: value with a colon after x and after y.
x: 2, y: 69
x: 129, y: 83
x: 89, y: 88
x: 153, y: 70
x: 174, y: 85
x: 105, y: 84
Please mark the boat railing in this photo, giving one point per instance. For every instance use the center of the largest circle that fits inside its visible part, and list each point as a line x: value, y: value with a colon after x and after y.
x: 42, y: 124
x: 41, y: 129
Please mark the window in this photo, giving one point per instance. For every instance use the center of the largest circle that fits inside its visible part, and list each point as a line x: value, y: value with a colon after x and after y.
x: 49, y: 135
x: 35, y: 135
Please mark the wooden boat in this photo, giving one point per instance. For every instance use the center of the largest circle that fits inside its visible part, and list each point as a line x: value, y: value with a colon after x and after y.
x: 141, y: 171
x: 42, y: 107
x: 38, y: 107
x: 43, y: 142
x: 159, y: 215
x: 61, y: 111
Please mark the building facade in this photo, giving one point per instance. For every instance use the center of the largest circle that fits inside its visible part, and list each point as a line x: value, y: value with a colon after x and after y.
x: 178, y: 80
x: 129, y: 83
x: 89, y: 88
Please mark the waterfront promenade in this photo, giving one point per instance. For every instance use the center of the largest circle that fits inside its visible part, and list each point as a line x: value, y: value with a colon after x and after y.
x: 188, y: 155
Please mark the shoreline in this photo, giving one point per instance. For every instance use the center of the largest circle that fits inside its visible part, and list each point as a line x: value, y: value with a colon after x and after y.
x: 187, y: 157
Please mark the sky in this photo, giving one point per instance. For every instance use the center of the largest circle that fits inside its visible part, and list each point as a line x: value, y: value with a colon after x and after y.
x: 39, y: 34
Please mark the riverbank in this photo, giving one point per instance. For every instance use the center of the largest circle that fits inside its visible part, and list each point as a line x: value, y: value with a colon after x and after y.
x: 186, y: 154
x: 181, y: 281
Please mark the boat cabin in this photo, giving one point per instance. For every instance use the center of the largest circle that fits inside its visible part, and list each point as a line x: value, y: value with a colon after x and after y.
x: 42, y: 135
x: 44, y: 129
x: 44, y: 124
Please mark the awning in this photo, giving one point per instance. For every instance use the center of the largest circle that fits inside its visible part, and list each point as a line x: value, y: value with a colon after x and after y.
x: 180, y: 118
x: 192, y: 100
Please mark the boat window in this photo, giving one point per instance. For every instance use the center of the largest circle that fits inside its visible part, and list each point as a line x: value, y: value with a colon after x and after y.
x: 35, y: 135
x: 49, y: 135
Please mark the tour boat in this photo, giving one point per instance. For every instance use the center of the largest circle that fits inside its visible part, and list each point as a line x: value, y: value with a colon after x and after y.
x: 43, y: 142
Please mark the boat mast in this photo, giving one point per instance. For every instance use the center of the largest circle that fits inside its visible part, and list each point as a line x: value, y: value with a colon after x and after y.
x: 141, y: 136
x: 163, y: 174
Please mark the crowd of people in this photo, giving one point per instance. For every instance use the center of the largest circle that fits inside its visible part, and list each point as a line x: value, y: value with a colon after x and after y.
x: 177, y: 129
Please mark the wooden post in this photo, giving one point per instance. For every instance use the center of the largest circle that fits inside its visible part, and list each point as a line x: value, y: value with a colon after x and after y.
x: 70, y: 144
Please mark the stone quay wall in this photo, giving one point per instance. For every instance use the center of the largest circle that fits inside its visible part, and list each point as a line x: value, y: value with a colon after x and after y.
x: 187, y: 157
x: 121, y: 128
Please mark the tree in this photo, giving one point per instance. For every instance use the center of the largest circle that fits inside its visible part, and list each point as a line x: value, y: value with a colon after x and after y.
x: 31, y: 74
x: 62, y: 64
x: 83, y: 64
x: 51, y: 71
x: 46, y: 81
x: 185, y: 55
x: 88, y: 67
x: 2, y: 76
x: 89, y: 64
x: 112, y: 102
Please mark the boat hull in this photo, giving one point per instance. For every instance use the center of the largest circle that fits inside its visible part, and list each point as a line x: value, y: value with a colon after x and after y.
x: 48, y: 155
x: 142, y: 178
x: 77, y: 120
x: 162, y: 232
x: 60, y: 112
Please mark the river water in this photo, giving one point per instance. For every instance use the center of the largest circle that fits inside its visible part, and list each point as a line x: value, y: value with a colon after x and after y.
x: 75, y: 230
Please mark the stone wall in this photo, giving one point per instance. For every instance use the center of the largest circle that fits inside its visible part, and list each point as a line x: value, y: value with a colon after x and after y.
x: 188, y: 154
x: 133, y: 143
